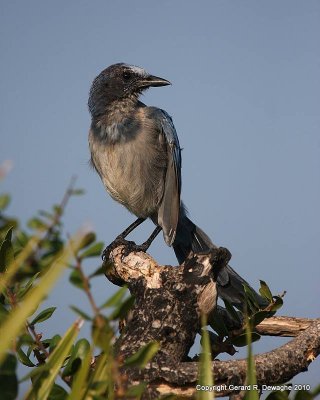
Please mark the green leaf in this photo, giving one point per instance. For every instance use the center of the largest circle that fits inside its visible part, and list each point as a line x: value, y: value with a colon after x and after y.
x: 3, y: 313
x: 232, y: 311
x: 24, y: 359
x: 241, y: 340
x: 80, y: 384
x: 114, y: 300
x: 37, y: 224
x: 25, y: 340
x: 303, y: 395
x: 259, y: 317
x: 122, y: 310
x: 22, y: 238
x: 6, y: 255
x: 8, y: 378
x: 99, y: 386
x: 316, y: 391
x: 99, y: 271
x: 76, y: 278
x: 141, y: 358
x: 216, y: 322
x: 279, y: 395
x: 102, y: 333
x: 265, y: 291
x: 25, y: 289
x: 251, y: 300
x: 77, y: 356
x: 6, y: 251
x: 46, y: 214
x: 52, y: 343
x: 7, y: 223
x: 93, y: 251
x: 277, y: 303
x: 81, y: 313
x: 136, y: 391
x: 43, y: 316
x: 9, y: 234
x: 35, y: 372
x: 31, y: 348
x: 4, y: 201
x: 77, y: 192
x: 57, y: 209
x: 58, y: 393
x: 103, y: 377
x: 87, y: 239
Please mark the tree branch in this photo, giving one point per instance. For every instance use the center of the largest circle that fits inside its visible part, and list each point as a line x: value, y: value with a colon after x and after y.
x: 168, y: 305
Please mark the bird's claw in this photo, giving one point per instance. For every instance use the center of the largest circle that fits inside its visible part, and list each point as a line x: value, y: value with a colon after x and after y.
x: 119, y: 241
x: 128, y: 247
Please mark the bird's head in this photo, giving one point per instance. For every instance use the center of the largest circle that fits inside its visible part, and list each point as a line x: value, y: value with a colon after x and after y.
x: 117, y: 82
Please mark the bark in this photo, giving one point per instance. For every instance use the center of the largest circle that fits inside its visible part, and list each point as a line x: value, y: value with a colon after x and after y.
x: 168, y: 301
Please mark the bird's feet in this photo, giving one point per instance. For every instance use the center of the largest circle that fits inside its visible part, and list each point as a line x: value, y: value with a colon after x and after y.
x: 119, y: 241
x: 128, y: 247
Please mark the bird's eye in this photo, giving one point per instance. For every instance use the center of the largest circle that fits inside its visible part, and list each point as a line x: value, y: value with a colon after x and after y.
x: 126, y: 75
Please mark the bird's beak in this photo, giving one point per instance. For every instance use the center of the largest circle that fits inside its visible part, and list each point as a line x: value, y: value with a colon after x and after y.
x: 152, y: 80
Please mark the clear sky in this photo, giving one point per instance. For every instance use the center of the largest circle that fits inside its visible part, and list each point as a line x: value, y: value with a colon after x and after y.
x: 245, y: 103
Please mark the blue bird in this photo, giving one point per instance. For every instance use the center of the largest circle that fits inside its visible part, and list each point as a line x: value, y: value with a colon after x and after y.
x: 135, y: 150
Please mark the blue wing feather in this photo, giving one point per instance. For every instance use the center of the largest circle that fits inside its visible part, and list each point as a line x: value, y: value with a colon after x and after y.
x: 173, y: 141
x: 169, y: 209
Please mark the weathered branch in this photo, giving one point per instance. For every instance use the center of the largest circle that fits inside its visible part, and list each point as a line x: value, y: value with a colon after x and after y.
x: 283, y: 326
x: 168, y: 304
x: 274, y: 367
x: 273, y: 326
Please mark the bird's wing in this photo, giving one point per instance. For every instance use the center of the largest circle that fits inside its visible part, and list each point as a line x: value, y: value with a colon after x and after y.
x: 168, y: 213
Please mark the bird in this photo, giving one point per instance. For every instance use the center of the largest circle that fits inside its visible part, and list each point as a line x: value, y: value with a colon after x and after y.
x: 136, y: 152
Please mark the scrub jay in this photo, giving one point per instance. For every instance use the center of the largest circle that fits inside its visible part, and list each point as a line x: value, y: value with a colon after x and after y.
x: 135, y: 150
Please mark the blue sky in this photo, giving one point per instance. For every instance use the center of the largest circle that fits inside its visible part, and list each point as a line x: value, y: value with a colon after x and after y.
x: 245, y: 103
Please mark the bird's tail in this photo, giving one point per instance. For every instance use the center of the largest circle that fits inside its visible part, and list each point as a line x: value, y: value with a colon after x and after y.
x: 190, y: 238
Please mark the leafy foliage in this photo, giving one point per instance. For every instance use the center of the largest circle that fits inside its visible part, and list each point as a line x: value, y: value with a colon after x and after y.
x: 251, y: 316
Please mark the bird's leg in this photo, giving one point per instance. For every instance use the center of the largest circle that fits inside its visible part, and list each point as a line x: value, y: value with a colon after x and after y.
x: 145, y: 245
x: 120, y: 239
x: 130, y: 228
x: 131, y: 246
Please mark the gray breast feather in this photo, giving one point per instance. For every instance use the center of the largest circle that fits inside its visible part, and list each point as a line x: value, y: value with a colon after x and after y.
x: 131, y: 163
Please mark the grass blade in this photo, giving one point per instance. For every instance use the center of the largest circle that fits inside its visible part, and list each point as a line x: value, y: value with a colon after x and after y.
x: 205, y: 365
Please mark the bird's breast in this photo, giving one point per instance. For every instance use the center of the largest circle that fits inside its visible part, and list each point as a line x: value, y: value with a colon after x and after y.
x: 132, y: 167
